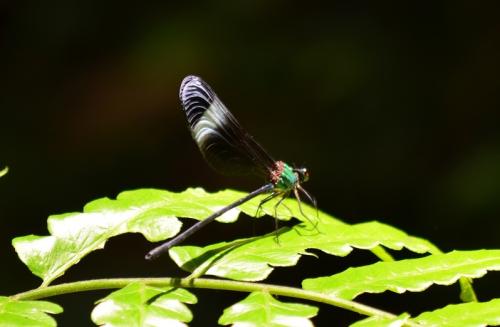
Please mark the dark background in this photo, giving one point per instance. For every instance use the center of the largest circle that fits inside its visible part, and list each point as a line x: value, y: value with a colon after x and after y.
x: 394, y: 108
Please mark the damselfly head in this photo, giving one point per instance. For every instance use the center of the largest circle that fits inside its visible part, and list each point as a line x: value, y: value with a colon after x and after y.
x: 302, y: 173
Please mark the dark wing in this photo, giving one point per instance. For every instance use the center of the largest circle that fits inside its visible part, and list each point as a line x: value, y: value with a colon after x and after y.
x: 226, y: 146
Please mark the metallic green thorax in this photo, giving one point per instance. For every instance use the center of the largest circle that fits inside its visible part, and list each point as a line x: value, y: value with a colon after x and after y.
x: 287, y: 179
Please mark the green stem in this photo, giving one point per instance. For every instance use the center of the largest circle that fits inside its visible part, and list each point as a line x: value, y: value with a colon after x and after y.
x: 99, y: 284
x: 382, y: 254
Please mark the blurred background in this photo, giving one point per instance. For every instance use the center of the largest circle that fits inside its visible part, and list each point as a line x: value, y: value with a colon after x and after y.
x: 394, y: 109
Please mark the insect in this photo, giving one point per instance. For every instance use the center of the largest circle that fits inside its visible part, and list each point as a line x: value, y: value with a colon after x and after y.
x: 230, y: 150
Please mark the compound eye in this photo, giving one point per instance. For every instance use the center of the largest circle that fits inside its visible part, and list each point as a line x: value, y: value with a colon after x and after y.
x: 303, y: 174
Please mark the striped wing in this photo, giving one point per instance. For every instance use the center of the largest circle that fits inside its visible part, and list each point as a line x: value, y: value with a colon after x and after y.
x: 226, y: 146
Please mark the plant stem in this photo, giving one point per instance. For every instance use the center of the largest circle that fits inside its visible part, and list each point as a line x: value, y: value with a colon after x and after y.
x: 100, y: 284
x: 382, y: 254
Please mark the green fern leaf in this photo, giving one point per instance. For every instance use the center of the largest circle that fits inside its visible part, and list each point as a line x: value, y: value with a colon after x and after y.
x: 150, y: 212
x: 27, y: 313
x: 141, y: 305
x: 473, y: 314
x: 406, y: 275
x: 261, y: 309
x: 255, y: 258
x: 377, y: 321
x: 154, y: 214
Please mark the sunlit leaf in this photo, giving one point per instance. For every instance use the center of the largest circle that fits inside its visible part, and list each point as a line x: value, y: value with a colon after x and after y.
x: 473, y: 314
x: 261, y: 309
x: 144, y: 306
x: 27, y: 313
x: 254, y: 259
x: 154, y: 214
x: 150, y: 212
x: 377, y: 321
x: 406, y: 275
